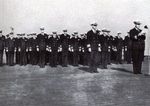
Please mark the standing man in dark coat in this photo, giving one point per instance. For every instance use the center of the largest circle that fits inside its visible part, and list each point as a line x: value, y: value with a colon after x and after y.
x: 2, y: 44
x: 65, y: 46
x: 18, y: 49
x: 6, y: 48
x: 137, y: 47
x: 109, y: 38
x: 59, y: 57
x: 84, y: 60
x: 111, y: 47
x: 42, y: 38
x: 23, y: 46
x: 54, y: 48
x: 34, y: 54
x: 75, y: 44
x: 49, y: 49
x: 10, y: 48
x: 114, y: 49
x: 127, y: 49
x: 29, y: 50
x: 93, y: 41
x: 119, y: 45
x: 104, y: 48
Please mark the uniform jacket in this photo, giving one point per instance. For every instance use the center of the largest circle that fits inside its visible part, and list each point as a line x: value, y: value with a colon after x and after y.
x: 23, y: 44
x: 93, y: 40
x: 64, y: 39
x: 2, y: 43
x: 136, y: 39
x: 34, y: 44
x: 54, y: 42
x: 10, y: 44
x: 119, y: 43
x: 104, y: 42
x: 42, y: 41
x: 75, y: 43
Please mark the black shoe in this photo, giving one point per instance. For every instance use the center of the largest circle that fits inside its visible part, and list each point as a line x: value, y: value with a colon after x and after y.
x: 135, y: 73
x: 95, y: 71
x: 64, y: 65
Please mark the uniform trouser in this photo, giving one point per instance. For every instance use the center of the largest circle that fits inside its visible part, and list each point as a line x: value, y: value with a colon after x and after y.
x: 99, y: 58
x: 11, y: 58
x: 64, y: 58
x: 137, y: 57
x: 7, y: 58
x: 128, y: 58
x: 81, y: 58
x: 119, y: 56
x: 59, y: 59
x: 29, y: 56
x: 125, y: 55
x: 23, y: 55
x: 75, y: 58
x: 93, y: 60
x: 34, y: 57
x: 85, y: 58
x: 104, y: 58
x: 108, y: 57
x: 50, y: 58
x: 137, y: 65
x: 42, y: 58
x: 47, y: 57
x: 113, y: 55
x: 54, y: 59
x: 1, y: 57
x: 70, y: 57
x: 18, y: 57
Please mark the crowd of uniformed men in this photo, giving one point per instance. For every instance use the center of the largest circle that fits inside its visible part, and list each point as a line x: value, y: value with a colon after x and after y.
x: 95, y: 48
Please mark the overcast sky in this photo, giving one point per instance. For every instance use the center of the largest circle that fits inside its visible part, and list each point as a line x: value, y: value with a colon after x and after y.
x: 75, y: 15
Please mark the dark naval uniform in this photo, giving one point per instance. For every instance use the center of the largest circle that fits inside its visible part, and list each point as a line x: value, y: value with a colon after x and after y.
x: 54, y: 47
x: 34, y: 54
x: 110, y: 48
x: 10, y: 48
x: 29, y: 50
x: 127, y: 49
x: 137, y: 49
x: 23, y: 52
x: 85, y: 56
x: 104, y: 49
x: 75, y: 45
x: 41, y: 39
x: 18, y: 50
x: 65, y: 46
x: 6, y: 48
x: 2, y: 44
x: 119, y: 43
x: 93, y: 40
x: 142, y: 45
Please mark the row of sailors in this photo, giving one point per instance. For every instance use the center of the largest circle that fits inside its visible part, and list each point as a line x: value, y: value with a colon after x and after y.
x: 63, y: 49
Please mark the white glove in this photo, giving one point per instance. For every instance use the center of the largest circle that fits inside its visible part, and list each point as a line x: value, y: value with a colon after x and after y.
x: 88, y: 45
x: 37, y: 49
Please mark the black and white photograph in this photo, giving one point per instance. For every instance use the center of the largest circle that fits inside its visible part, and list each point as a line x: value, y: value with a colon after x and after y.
x: 74, y: 52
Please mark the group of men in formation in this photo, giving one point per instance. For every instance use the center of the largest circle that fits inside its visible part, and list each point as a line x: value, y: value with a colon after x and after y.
x: 95, y: 48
